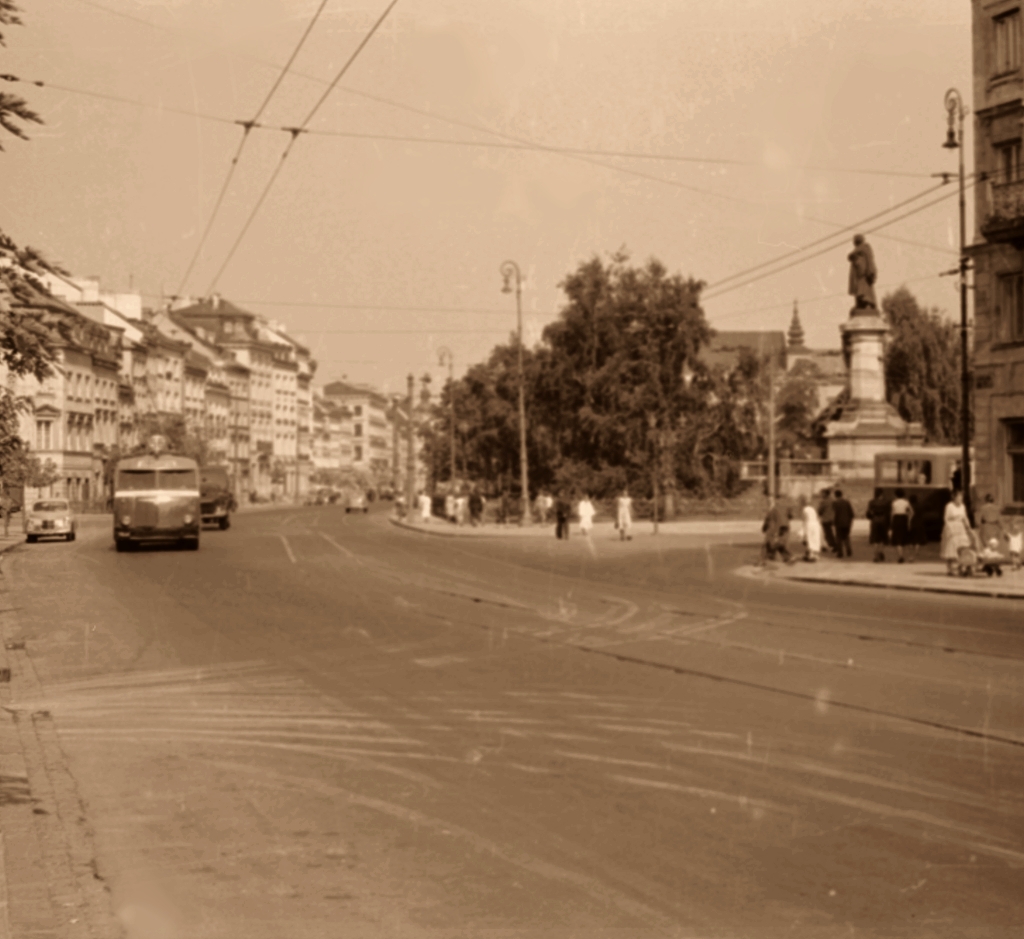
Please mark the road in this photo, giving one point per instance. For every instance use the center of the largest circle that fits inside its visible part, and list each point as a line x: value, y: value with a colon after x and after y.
x: 320, y: 725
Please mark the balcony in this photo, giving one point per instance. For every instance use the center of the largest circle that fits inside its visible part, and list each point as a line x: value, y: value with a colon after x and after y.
x: 1005, y: 218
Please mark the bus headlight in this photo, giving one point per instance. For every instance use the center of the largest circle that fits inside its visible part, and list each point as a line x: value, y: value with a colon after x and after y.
x: 189, y: 518
x: 126, y: 520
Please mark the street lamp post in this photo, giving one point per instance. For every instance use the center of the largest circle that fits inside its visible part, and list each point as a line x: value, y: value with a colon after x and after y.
x: 444, y: 356
x: 508, y: 270
x: 955, y: 113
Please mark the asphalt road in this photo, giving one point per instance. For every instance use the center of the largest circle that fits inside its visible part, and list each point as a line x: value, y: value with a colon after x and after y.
x: 320, y: 725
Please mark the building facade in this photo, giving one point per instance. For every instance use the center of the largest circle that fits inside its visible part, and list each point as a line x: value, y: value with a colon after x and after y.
x: 998, y: 252
x: 371, y: 429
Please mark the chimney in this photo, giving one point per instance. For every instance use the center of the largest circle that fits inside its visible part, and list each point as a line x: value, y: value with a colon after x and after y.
x: 215, y: 301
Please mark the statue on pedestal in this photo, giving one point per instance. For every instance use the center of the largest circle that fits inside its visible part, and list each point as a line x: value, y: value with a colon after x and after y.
x: 863, y: 274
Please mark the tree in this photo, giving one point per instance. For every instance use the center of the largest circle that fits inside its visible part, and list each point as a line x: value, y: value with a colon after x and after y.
x: 12, y: 107
x: 922, y: 367
x: 620, y: 358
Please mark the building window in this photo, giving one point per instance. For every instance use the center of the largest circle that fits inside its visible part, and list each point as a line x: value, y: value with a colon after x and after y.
x: 43, y: 437
x: 357, y: 430
x: 1010, y: 307
x: 1015, y: 455
x: 1007, y: 42
x: 358, y: 454
x: 1008, y: 162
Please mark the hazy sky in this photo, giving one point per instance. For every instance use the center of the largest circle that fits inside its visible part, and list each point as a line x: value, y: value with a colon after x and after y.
x: 794, y: 90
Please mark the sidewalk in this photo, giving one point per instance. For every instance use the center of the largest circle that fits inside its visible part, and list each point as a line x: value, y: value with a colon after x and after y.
x: 928, y: 576
x: 924, y: 575
x: 749, y: 528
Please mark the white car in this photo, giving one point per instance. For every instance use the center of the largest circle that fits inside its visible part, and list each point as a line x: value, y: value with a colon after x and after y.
x: 356, y: 502
x: 49, y: 518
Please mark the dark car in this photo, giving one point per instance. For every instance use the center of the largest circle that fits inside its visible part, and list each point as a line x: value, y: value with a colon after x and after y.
x: 216, y: 502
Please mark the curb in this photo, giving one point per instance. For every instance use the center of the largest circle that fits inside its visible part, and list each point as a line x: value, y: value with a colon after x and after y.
x: 438, y: 532
x: 917, y: 588
x: 753, y: 572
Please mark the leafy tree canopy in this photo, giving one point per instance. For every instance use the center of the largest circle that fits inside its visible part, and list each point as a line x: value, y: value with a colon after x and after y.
x: 12, y: 107
x: 922, y: 366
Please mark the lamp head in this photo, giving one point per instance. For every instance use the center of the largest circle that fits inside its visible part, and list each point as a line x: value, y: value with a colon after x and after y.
x: 507, y: 287
x: 951, y: 141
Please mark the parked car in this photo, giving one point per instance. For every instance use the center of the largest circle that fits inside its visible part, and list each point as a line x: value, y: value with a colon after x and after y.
x: 49, y: 518
x: 355, y: 501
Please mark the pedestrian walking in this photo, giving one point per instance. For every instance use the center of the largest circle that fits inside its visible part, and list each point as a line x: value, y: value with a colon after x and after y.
x: 461, y: 506
x: 586, y: 512
x: 562, y: 510
x: 990, y: 522
x: 812, y: 530
x: 425, y: 507
x: 449, y: 506
x: 827, y: 516
x: 844, y: 524
x: 900, y: 518
x: 878, y: 514
x: 476, y: 508
x: 624, y: 515
x: 776, y: 533
x: 956, y: 532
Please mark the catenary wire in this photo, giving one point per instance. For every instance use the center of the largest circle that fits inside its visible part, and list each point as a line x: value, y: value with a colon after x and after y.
x: 824, y: 238
x: 295, y: 132
x: 525, y: 146
x: 826, y: 249
x: 247, y: 126
x: 380, y: 99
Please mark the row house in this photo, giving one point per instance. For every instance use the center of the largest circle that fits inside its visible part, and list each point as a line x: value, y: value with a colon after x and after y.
x: 998, y: 252
x: 330, y: 440
x: 371, y: 429
x: 72, y: 422
x: 275, y: 388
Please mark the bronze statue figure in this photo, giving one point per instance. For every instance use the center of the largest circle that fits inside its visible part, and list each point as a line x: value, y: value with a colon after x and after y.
x: 862, y: 277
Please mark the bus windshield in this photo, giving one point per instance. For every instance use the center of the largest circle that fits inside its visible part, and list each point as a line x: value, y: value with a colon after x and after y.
x: 136, y: 479
x: 178, y: 479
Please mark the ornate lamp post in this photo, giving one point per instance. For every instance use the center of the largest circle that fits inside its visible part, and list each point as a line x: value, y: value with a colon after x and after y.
x: 955, y: 113
x: 445, y: 357
x: 510, y: 269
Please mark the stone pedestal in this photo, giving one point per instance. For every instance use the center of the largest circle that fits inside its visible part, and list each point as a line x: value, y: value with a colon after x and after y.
x: 868, y: 424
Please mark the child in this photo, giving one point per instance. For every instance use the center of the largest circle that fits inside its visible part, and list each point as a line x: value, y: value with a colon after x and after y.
x: 990, y: 558
x: 1015, y: 542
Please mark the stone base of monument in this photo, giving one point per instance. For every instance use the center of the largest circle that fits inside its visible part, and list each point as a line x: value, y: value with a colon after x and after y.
x: 868, y: 424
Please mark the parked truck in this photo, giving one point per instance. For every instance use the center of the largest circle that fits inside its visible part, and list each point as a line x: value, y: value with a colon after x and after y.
x: 216, y: 502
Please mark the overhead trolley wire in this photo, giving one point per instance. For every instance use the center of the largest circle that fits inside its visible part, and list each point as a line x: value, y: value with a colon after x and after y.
x: 295, y: 132
x: 800, y: 260
x: 247, y: 126
x: 824, y: 238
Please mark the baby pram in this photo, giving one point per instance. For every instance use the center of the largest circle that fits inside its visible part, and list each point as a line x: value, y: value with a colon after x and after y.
x: 970, y: 561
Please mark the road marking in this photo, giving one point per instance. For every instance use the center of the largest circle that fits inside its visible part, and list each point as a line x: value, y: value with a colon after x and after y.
x: 742, y: 801
x: 341, y: 548
x: 439, y: 660
x: 288, y: 548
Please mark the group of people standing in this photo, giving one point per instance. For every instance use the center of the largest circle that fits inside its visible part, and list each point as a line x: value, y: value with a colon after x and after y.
x: 993, y: 537
x: 586, y: 510
x: 826, y: 525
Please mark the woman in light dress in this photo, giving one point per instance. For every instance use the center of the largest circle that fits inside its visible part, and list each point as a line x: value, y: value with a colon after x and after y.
x: 586, y: 512
x: 812, y: 529
x: 956, y: 532
x: 624, y: 515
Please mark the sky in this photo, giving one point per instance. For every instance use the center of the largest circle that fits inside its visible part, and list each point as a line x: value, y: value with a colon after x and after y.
x: 774, y: 122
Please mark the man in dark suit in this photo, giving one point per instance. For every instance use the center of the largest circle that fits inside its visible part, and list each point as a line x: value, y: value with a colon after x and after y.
x: 844, y: 523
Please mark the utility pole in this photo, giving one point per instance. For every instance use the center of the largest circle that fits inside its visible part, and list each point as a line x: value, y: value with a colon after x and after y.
x: 771, y: 431
x: 396, y: 455
x: 444, y: 355
x: 508, y: 269
x: 955, y: 113
x: 410, y: 470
